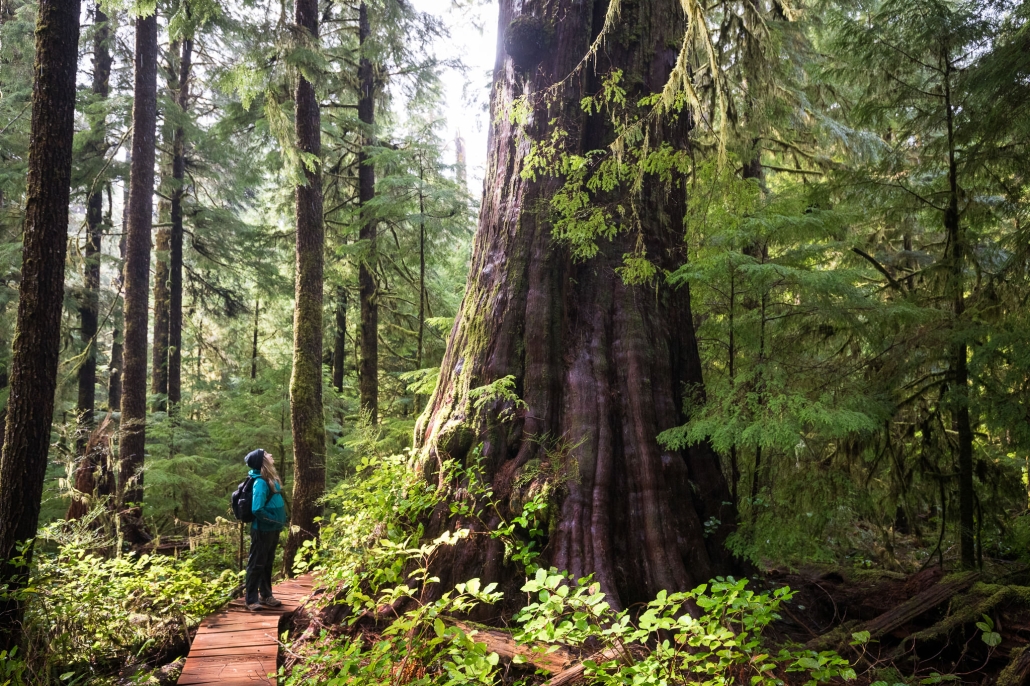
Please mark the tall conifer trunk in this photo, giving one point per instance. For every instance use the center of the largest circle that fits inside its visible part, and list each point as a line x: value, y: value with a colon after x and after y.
x: 601, y: 365
x: 33, y: 378
x: 159, y: 368
x: 175, y: 237
x: 959, y: 364
x: 159, y: 349
x: 340, y: 344
x: 254, y: 343
x: 132, y: 445
x: 306, y: 383
x: 114, y: 380
x: 423, y: 296
x: 368, y: 334
x: 89, y: 304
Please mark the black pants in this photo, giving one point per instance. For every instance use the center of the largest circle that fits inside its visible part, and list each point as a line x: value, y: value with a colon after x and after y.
x: 259, y: 564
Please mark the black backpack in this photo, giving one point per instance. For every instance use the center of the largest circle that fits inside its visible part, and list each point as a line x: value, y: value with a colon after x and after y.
x: 242, y: 499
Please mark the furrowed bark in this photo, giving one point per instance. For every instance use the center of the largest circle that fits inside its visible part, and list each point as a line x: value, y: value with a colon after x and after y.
x: 33, y: 376
x: 306, y: 383
x: 175, y: 237
x: 136, y: 279
x: 602, y: 366
x: 89, y: 303
x: 368, y: 337
x: 340, y: 344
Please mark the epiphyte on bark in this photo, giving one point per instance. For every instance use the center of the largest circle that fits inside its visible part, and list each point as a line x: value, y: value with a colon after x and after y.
x: 526, y: 40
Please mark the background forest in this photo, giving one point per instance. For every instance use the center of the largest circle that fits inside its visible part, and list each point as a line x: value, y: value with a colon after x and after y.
x: 837, y: 191
x: 234, y: 238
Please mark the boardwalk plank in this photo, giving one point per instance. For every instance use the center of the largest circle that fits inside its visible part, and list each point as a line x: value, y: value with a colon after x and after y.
x: 237, y: 647
x: 255, y: 651
x: 251, y: 638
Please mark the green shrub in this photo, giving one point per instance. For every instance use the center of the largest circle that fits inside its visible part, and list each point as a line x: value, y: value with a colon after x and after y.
x: 372, y: 553
x: 88, y: 614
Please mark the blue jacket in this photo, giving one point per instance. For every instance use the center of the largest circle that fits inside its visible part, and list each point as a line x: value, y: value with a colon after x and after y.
x: 269, y: 507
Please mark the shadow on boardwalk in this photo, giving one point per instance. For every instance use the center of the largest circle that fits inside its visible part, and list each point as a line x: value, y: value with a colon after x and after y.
x: 237, y: 646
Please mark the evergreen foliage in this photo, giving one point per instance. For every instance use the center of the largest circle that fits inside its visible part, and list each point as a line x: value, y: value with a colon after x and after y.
x: 855, y: 251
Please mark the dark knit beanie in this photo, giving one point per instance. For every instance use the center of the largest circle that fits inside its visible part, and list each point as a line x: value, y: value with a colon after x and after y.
x: 255, y: 458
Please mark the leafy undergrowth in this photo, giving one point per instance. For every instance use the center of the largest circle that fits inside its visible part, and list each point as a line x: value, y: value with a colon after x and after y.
x: 380, y: 620
x: 94, y: 618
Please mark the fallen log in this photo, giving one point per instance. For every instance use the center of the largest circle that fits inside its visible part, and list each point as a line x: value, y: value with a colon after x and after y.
x: 550, y: 658
x: 901, y: 615
x: 576, y: 672
x: 1017, y: 670
x: 557, y: 660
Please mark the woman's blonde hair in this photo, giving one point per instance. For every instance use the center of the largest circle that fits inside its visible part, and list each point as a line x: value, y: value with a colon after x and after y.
x: 268, y: 472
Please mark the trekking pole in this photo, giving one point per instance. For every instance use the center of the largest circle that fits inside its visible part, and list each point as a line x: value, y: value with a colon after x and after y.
x: 241, y: 547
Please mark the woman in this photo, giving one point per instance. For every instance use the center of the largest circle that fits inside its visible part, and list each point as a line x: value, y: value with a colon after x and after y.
x: 269, y: 519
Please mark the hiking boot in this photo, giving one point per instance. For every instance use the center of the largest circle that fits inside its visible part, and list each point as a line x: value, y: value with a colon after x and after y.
x: 255, y: 606
x: 271, y: 601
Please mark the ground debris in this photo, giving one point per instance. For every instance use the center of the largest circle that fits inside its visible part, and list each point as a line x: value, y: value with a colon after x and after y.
x: 903, y: 614
x: 918, y: 625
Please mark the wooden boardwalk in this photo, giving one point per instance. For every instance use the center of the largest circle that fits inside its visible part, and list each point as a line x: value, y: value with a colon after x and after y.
x: 237, y: 646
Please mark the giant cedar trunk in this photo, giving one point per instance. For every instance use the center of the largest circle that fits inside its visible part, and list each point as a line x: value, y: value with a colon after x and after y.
x: 30, y: 407
x: 601, y: 365
x: 89, y: 303
x: 175, y: 237
x: 306, y: 382
x: 136, y: 279
x: 368, y: 372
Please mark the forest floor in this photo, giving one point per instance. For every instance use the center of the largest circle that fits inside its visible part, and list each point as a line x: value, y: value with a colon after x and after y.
x: 931, y: 626
x: 923, y: 628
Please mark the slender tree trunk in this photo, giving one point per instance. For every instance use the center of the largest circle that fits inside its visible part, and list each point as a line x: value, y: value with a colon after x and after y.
x: 159, y: 352
x: 89, y: 304
x: 959, y: 364
x: 419, y: 351
x: 37, y: 336
x: 162, y: 267
x: 175, y: 238
x: 731, y: 365
x: 136, y: 279
x: 306, y: 383
x: 114, y: 381
x: 340, y: 344
x: 253, y: 347
x: 756, y: 473
x: 601, y: 365
x: 4, y: 369
x: 368, y: 373
x: 459, y: 161
x: 420, y: 343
